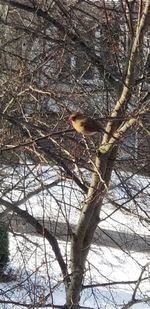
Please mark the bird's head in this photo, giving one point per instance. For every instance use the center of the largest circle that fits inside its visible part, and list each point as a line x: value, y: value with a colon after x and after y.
x: 74, y: 117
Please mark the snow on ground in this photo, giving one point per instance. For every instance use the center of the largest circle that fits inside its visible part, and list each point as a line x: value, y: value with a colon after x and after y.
x: 63, y: 201
x: 38, y: 274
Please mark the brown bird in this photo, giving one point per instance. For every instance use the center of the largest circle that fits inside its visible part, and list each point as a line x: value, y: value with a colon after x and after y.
x: 85, y: 125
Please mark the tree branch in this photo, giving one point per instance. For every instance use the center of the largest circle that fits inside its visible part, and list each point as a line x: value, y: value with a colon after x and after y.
x: 129, y: 76
x: 41, y: 230
x: 75, y: 38
x: 88, y: 286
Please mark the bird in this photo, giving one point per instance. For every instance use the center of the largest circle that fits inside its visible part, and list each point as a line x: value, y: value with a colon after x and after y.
x: 85, y: 125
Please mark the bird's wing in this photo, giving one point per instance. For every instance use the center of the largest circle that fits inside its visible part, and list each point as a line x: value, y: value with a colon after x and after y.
x: 92, y: 125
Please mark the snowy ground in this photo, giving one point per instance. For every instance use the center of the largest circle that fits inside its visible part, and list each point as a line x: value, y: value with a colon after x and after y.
x: 38, y: 275
x: 32, y: 260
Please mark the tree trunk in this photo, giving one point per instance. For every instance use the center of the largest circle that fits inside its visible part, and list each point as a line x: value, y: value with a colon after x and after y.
x: 4, y: 248
x: 88, y: 222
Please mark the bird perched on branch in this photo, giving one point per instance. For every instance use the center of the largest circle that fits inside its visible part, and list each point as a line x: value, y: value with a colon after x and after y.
x: 85, y: 125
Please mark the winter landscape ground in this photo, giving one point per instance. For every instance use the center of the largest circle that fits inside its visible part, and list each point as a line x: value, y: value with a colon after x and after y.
x: 38, y: 279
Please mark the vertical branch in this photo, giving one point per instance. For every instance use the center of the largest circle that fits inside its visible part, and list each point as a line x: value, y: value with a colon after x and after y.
x: 129, y: 77
x: 89, y: 217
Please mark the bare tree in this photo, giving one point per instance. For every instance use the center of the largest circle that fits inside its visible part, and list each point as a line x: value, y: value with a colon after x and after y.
x: 59, y: 57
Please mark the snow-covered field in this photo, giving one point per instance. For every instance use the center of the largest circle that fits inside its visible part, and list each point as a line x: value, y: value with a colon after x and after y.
x: 39, y: 279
